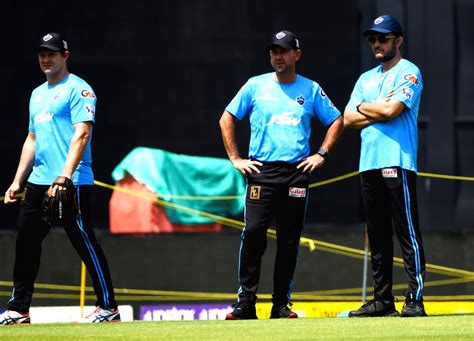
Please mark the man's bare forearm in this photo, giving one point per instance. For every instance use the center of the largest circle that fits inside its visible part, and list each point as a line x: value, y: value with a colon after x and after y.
x: 227, y: 124
x: 333, y: 134
x: 76, y: 148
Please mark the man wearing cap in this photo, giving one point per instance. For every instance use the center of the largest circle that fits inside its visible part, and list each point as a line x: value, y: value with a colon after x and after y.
x: 384, y: 105
x: 280, y: 106
x: 62, y: 112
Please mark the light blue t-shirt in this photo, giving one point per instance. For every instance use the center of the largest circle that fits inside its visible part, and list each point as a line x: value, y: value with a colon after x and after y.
x: 395, y: 142
x: 280, y: 116
x: 54, y: 109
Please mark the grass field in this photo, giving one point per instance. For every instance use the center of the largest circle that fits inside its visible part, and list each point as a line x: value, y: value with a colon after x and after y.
x: 454, y: 327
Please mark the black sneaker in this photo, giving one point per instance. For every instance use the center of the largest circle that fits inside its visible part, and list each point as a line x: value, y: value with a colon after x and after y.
x: 375, y: 308
x: 413, y: 307
x: 243, y: 310
x: 282, y: 312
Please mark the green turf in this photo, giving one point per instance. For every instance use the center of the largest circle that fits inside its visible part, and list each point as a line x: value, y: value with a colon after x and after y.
x: 459, y: 327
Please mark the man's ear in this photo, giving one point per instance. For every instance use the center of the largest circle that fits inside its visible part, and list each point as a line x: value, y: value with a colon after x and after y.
x: 399, y: 41
x: 298, y: 54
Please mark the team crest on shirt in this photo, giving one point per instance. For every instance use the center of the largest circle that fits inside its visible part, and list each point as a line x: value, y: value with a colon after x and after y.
x: 297, y: 192
x: 255, y: 192
x: 411, y: 78
x: 300, y: 100
x: 87, y: 94
x: 407, y: 93
x: 90, y: 109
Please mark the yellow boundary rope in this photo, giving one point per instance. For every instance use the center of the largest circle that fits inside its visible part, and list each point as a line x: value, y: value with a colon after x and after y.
x: 306, y: 242
x: 161, y: 295
x: 313, y: 185
x: 312, y: 244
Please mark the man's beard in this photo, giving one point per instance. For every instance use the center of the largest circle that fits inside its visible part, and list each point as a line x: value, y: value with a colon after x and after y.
x: 389, y: 55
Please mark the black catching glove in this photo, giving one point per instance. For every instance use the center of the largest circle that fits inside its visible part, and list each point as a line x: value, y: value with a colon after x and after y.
x: 61, y: 208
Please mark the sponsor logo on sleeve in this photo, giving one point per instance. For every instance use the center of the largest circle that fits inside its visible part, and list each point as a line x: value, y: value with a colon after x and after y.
x: 87, y: 94
x: 389, y: 172
x: 255, y: 192
x: 323, y: 94
x: 409, y: 77
x: 407, y: 93
x: 297, y: 192
x: 90, y: 109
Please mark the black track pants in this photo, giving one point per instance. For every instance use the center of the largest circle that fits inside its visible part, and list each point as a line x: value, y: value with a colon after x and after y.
x: 389, y: 198
x: 31, y: 232
x: 279, y: 193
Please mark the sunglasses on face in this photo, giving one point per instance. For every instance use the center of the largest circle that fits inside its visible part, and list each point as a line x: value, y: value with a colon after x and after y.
x: 381, y: 38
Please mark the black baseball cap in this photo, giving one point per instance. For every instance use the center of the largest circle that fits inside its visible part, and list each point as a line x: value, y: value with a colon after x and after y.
x: 384, y: 24
x: 284, y: 39
x: 52, y: 41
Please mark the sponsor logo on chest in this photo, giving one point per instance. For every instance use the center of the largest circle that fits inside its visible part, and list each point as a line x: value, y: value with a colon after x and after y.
x: 297, y: 192
x: 284, y: 119
x: 389, y: 173
x: 44, y: 117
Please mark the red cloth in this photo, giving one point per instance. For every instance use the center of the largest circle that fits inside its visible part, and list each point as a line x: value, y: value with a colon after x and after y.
x: 132, y: 214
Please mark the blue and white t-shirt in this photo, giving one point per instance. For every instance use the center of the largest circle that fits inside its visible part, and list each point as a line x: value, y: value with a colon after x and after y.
x: 280, y: 116
x: 54, y: 109
x: 395, y: 142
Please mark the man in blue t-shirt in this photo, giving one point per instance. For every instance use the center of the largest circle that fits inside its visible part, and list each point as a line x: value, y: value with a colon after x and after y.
x: 384, y: 105
x: 58, y: 145
x: 280, y: 106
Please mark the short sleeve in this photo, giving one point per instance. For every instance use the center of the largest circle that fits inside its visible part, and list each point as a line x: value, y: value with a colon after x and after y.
x: 83, y: 102
x: 31, y: 123
x: 324, y: 108
x: 356, y: 96
x: 408, y: 87
x: 242, y: 102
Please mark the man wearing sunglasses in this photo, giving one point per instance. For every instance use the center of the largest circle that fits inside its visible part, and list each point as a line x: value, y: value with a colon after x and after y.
x: 384, y: 105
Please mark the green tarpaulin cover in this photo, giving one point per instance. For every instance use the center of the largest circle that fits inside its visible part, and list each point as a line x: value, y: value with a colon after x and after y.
x: 170, y: 175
